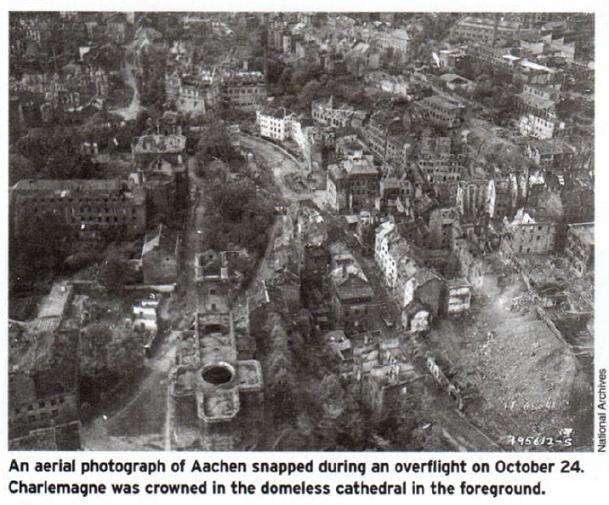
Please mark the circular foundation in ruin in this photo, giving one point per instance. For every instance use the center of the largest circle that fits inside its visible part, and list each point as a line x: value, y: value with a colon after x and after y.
x: 218, y: 373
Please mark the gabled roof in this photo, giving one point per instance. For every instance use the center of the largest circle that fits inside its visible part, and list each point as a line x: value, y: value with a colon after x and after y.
x: 151, y: 244
x: 384, y: 229
x: 459, y: 282
x: 68, y: 185
x: 342, y: 274
x: 163, y: 238
x: 398, y: 248
x: 425, y: 275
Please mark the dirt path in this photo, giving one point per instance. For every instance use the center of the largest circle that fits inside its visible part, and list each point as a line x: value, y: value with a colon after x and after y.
x: 137, y: 424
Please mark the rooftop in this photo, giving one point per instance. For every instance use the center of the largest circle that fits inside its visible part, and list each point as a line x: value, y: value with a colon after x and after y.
x: 348, y: 167
x: 54, y: 304
x: 530, y: 65
x: 488, y: 23
x: 457, y: 283
x: 65, y: 186
x: 163, y: 238
x: 453, y: 77
x: 276, y: 112
x: 160, y: 144
x: 441, y: 102
x: 536, y: 101
x: 550, y: 146
x: 583, y: 231
x: 424, y: 275
x: 398, y: 248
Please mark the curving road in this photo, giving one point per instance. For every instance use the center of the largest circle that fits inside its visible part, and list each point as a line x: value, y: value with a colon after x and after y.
x: 280, y: 163
x: 128, y: 71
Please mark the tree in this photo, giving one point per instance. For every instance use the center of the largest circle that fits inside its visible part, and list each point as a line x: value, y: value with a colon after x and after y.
x: 279, y: 371
x: 31, y: 258
x: 80, y: 259
x: 215, y: 143
x: 331, y: 393
x: 151, y: 81
x: 113, y: 274
x: 56, y: 154
x: 285, y: 81
x: 127, y: 356
x: 20, y: 168
x: 275, y: 69
x: 93, y: 349
x: 308, y: 93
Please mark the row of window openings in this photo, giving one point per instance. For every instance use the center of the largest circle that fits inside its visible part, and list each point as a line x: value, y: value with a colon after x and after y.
x: 249, y: 91
x: 445, y: 178
x: 71, y: 200
x: 42, y: 404
x: 439, y: 114
x: 538, y: 238
x: 100, y: 219
x: 98, y: 210
x: 42, y: 416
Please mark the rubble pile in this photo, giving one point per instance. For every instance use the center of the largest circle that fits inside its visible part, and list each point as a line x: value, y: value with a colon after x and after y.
x: 527, y: 367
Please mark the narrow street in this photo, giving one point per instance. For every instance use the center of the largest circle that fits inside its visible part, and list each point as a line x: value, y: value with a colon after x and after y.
x: 115, y: 430
x: 263, y: 270
x: 148, y: 399
x: 128, y: 72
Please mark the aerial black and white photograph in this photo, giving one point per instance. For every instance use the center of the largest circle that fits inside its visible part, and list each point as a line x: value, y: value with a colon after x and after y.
x: 301, y: 231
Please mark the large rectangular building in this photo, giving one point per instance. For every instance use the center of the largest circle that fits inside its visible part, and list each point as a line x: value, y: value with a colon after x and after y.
x: 442, y: 111
x: 87, y: 206
x: 274, y: 123
x: 485, y: 30
x: 43, y: 375
x: 244, y: 89
x: 193, y: 93
x: 398, y: 40
x: 527, y: 235
x: 211, y: 390
x: 352, y: 184
x: 352, y: 297
x: 329, y: 113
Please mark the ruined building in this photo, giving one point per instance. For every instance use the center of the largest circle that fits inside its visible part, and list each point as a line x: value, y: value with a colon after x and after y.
x: 580, y: 247
x: 353, y: 183
x: 160, y: 161
x: 44, y: 400
x: 89, y: 207
x: 213, y: 394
